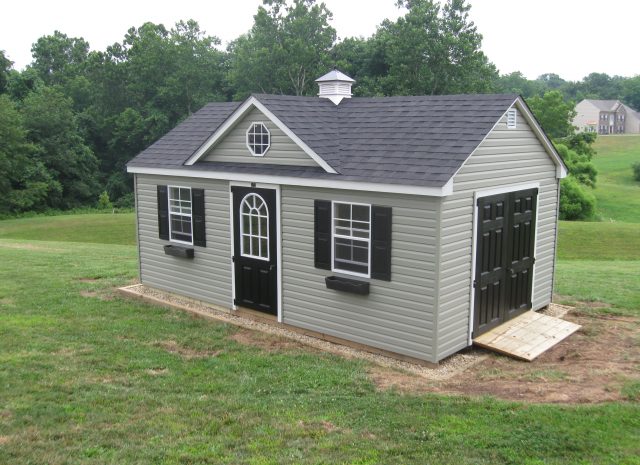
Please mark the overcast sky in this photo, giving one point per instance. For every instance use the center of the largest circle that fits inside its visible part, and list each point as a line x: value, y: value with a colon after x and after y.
x: 569, y: 37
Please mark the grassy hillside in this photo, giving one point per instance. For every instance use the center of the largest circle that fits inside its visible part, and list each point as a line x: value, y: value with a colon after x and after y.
x: 617, y: 193
x: 87, y: 377
x: 102, y: 228
x: 90, y: 378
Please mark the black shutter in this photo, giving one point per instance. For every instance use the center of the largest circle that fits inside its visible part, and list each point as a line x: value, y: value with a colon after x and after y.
x: 322, y: 234
x: 381, y: 243
x: 163, y: 213
x: 197, y: 213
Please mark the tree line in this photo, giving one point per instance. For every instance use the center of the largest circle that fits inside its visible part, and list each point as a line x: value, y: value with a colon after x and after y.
x: 73, y: 117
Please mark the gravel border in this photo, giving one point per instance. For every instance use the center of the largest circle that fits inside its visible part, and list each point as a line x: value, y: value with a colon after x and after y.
x: 446, y: 369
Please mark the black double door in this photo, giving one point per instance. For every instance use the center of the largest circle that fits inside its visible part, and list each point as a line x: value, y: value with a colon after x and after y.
x: 504, y: 257
x: 255, y: 248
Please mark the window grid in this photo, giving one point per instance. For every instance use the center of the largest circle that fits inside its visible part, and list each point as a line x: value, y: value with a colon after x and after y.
x: 254, y: 227
x: 180, y: 219
x: 258, y: 139
x: 351, y: 231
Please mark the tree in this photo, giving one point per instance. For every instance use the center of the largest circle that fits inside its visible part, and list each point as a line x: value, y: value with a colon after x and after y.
x: 285, y: 51
x: 579, y: 166
x: 52, y: 128
x: 5, y: 67
x: 554, y: 114
x: 24, y: 182
x: 631, y: 92
x: 601, y: 86
x: 57, y: 57
x: 576, y: 203
x: 517, y: 83
x: 142, y: 87
x: 435, y: 51
x: 364, y: 61
x: 551, y: 81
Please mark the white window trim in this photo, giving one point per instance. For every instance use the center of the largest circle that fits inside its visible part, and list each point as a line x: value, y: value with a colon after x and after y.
x: 242, y: 233
x: 246, y: 139
x: 333, y: 242
x: 171, y: 239
x: 512, y: 116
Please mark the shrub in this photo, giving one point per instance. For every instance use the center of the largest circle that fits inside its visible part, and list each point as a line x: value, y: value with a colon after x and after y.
x: 127, y: 201
x: 636, y: 170
x: 103, y: 201
x: 576, y: 202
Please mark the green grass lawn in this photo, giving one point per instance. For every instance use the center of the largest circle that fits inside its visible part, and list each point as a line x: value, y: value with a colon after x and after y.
x: 600, y: 262
x: 617, y: 193
x: 102, y: 228
x: 88, y: 380
x: 598, y: 241
x: 86, y: 377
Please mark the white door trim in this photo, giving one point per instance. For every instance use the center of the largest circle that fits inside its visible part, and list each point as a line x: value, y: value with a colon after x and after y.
x: 278, y: 217
x: 488, y: 193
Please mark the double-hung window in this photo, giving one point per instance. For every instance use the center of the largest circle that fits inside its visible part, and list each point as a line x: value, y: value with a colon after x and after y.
x: 180, y: 220
x: 351, y: 239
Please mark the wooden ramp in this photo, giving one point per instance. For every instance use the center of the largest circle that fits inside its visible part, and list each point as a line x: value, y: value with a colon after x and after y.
x: 527, y: 335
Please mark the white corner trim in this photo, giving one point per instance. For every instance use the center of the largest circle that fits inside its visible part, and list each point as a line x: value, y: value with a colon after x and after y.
x: 239, y: 113
x: 294, y: 181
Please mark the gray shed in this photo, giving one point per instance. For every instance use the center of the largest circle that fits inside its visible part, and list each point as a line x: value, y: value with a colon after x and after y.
x: 404, y: 224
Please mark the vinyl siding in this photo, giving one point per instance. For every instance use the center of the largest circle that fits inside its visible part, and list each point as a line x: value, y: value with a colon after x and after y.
x: 505, y: 157
x: 398, y: 315
x: 586, y: 112
x: 207, y: 276
x: 233, y: 147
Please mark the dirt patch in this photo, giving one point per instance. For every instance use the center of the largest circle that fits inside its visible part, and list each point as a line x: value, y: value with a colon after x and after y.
x: 266, y: 342
x: 591, y: 366
x: 7, y: 302
x: 185, y: 352
x: 4, y: 440
x: 101, y: 295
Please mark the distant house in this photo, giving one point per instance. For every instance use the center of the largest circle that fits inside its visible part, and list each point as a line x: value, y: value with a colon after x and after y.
x: 606, y: 117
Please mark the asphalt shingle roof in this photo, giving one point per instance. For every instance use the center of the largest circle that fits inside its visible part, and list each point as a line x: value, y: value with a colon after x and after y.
x: 604, y: 105
x: 394, y: 140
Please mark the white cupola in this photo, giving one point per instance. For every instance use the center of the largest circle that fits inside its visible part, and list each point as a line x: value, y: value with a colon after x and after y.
x: 335, y: 85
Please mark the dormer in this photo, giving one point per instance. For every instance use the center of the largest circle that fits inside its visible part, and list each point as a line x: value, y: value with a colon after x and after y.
x: 335, y: 85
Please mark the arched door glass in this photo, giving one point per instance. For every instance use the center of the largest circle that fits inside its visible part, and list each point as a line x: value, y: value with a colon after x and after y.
x: 254, y: 227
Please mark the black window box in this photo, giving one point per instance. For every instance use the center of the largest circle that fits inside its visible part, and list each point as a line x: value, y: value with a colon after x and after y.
x: 347, y: 285
x: 178, y: 251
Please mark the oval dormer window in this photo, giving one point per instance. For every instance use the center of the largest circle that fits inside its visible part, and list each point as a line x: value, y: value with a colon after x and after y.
x: 258, y: 139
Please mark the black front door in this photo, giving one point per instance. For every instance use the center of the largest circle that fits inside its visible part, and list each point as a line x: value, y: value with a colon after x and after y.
x: 504, y: 257
x: 255, y: 248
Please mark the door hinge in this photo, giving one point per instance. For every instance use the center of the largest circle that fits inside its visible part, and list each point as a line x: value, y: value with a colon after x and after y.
x: 474, y: 283
x: 235, y: 301
x: 233, y: 259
